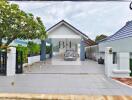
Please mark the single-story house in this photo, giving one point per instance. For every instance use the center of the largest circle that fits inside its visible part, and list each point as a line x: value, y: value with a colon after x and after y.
x: 121, y: 41
x: 63, y: 36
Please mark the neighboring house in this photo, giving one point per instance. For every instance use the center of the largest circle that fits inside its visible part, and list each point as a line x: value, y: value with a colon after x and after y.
x: 63, y: 36
x: 121, y: 41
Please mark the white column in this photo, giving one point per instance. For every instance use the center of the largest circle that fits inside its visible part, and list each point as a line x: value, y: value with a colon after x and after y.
x: 11, y: 61
x: 108, y: 61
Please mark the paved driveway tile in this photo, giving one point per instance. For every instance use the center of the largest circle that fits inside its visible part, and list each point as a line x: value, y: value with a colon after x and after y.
x: 64, y: 79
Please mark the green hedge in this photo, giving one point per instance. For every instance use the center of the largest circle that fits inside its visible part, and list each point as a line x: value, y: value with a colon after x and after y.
x: 24, y: 52
x: 33, y: 49
x: 131, y: 67
x: 48, y: 49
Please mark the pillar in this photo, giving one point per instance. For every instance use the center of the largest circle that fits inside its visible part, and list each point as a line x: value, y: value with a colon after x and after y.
x: 82, y: 51
x: 11, y: 61
x: 108, y: 61
x: 43, y: 50
x: 51, y: 52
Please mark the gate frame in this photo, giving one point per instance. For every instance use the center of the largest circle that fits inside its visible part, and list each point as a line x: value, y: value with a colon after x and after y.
x: 3, y: 57
x: 19, y: 67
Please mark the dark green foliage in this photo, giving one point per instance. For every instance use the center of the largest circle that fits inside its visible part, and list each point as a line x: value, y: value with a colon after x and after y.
x: 24, y: 51
x: 33, y: 49
x: 100, y: 37
x: 15, y: 23
x: 131, y: 67
x: 48, y: 49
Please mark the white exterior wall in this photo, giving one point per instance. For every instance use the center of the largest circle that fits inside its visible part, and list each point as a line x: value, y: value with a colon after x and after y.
x: 122, y: 45
x: 121, y: 69
x: 92, y: 52
x: 63, y: 32
x: 33, y: 59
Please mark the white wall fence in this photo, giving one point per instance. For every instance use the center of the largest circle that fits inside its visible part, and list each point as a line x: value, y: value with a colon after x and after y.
x: 11, y: 61
x: 120, y: 69
x: 33, y: 59
x: 122, y: 66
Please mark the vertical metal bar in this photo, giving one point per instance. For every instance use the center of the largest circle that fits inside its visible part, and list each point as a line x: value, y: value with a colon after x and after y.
x: 0, y: 60
x: 16, y: 61
x: 5, y: 62
x: 21, y: 54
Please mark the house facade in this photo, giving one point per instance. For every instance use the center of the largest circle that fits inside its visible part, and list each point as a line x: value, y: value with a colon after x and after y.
x: 120, y: 41
x: 63, y: 36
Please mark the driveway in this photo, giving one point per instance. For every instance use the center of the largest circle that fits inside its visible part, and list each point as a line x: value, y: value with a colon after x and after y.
x: 87, y: 78
x: 66, y: 67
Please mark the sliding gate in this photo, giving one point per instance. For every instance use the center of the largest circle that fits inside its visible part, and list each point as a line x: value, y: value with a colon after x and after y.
x: 3, y: 62
x: 19, y: 62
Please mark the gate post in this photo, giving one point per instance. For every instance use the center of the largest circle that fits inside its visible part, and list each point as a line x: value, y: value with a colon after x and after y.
x: 82, y: 51
x: 43, y: 51
x: 11, y: 61
x: 108, y: 61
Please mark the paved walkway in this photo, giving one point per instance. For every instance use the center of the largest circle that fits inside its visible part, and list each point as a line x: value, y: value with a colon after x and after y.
x: 87, y: 78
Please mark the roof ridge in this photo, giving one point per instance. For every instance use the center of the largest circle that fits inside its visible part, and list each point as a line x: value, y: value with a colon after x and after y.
x: 69, y: 25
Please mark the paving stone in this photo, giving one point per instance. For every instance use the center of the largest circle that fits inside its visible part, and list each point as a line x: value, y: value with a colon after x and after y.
x: 64, y: 79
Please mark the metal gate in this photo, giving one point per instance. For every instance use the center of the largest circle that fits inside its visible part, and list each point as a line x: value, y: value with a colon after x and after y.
x: 19, y: 62
x: 3, y: 62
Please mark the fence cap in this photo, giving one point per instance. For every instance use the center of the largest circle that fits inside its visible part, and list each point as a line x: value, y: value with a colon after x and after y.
x: 12, y: 50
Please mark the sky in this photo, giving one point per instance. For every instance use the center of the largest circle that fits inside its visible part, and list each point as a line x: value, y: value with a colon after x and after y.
x: 91, y: 18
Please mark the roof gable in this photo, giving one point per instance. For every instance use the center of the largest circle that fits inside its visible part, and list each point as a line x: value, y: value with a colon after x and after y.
x: 69, y: 26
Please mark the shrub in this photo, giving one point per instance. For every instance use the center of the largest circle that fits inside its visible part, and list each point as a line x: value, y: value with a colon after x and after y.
x: 33, y: 49
x: 48, y: 49
x: 24, y: 51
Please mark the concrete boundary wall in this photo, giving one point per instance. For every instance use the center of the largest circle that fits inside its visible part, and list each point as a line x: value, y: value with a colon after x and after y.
x: 121, y: 69
x: 33, y: 59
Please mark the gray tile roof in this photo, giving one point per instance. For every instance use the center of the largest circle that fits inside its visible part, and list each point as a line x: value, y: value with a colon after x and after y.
x: 124, y: 32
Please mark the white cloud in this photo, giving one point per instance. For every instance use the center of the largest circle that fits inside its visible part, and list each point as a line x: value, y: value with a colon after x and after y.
x: 92, y: 18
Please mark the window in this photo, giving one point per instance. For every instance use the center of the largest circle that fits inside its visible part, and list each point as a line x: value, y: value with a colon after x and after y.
x: 70, y: 44
x: 114, y: 58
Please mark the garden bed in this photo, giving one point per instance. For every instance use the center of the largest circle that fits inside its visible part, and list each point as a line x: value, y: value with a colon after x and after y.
x: 127, y: 81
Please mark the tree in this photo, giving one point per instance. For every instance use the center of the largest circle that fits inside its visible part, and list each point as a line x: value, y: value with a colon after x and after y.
x: 15, y: 23
x: 100, y: 37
